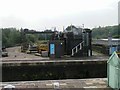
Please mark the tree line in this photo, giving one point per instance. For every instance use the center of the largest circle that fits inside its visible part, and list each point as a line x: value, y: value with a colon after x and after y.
x: 12, y: 36
x: 103, y: 32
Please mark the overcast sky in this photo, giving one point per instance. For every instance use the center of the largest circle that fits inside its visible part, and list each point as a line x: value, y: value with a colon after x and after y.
x: 41, y: 14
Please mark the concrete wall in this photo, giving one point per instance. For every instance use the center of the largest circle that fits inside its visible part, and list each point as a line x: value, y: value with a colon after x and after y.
x: 56, y: 71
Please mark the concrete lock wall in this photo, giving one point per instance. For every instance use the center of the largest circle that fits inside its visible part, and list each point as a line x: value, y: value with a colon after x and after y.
x: 55, y: 71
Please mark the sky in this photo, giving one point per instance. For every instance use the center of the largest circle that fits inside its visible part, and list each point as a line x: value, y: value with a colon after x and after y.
x: 47, y: 14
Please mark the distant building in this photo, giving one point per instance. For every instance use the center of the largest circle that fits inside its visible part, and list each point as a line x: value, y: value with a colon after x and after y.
x: 77, y: 31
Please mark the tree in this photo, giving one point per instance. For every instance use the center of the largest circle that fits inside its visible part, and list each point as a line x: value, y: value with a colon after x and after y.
x: 102, y: 32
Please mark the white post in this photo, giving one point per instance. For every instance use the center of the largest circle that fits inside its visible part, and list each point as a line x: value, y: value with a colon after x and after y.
x: 76, y: 49
x: 72, y: 52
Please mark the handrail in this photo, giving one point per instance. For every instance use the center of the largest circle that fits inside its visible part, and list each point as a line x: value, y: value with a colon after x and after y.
x: 76, y: 48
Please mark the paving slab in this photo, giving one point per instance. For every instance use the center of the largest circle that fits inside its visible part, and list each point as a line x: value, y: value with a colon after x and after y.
x: 99, y: 83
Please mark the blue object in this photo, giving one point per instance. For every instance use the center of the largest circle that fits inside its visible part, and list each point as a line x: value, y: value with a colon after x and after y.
x: 112, y: 49
x: 52, y: 49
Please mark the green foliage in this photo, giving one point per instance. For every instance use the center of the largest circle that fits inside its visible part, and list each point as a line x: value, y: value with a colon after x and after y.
x: 32, y: 38
x: 12, y: 37
x: 103, y: 32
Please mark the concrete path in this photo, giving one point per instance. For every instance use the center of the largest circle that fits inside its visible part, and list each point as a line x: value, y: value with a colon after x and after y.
x: 99, y: 83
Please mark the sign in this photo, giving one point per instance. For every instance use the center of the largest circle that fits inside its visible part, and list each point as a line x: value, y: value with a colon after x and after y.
x: 52, y: 49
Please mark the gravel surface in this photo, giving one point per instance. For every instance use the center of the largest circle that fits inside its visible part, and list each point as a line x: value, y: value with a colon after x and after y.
x: 15, y: 53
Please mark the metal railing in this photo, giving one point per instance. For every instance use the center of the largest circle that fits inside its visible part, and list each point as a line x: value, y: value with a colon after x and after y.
x: 77, y: 48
